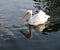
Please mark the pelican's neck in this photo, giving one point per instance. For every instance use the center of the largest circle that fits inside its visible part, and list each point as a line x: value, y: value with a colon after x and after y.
x: 30, y: 15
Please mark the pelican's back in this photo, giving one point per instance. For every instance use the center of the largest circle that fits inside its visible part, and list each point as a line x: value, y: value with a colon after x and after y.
x: 39, y: 18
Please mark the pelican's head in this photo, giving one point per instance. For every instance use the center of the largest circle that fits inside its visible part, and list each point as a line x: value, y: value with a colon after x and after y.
x: 29, y: 12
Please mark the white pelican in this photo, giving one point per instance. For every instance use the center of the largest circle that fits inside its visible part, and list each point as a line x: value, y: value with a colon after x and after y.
x: 37, y: 19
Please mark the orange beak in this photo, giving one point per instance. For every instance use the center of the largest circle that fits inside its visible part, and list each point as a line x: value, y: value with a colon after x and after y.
x: 23, y: 18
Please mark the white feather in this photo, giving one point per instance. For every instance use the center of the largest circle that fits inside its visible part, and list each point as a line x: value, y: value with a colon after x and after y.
x: 39, y: 18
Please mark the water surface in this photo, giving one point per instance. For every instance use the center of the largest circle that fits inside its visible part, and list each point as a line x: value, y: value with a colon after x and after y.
x: 10, y: 36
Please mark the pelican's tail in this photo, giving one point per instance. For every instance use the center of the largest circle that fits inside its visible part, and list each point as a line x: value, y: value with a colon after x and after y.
x: 47, y: 16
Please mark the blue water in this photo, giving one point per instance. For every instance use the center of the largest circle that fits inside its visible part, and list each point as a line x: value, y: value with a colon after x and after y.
x: 10, y: 36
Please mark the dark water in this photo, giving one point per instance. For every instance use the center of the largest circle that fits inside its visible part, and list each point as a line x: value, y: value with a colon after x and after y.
x: 44, y: 37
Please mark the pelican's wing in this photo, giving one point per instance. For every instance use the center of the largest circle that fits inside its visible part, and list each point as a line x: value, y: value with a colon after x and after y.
x: 39, y: 18
x: 35, y: 20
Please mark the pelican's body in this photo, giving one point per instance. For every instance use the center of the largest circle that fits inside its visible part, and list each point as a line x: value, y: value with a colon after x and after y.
x: 39, y: 18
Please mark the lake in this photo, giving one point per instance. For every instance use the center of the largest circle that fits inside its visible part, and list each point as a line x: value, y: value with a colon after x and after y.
x: 44, y: 37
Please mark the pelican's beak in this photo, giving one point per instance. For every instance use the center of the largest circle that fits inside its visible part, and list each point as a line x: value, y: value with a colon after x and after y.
x: 23, y: 18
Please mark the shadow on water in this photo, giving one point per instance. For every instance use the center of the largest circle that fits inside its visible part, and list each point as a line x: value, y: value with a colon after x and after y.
x: 44, y: 28
x: 25, y: 34
x: 52, y: 28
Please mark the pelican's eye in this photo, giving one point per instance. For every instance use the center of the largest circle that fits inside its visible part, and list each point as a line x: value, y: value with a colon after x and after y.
x: 27, y: 13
